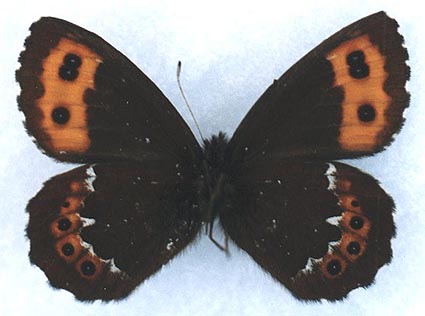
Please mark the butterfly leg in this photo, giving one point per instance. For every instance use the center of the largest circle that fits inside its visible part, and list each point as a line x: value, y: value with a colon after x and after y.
x: 215, y: 199
x: 225, y: 248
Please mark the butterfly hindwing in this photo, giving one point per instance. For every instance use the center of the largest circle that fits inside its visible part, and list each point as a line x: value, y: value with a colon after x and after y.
x: 344, y: 99
x: 100, y: 230
x: 85, y: 101
x: 321, y: 229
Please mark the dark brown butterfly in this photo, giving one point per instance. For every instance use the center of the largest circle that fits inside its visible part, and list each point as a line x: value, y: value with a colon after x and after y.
x: 321, y: 228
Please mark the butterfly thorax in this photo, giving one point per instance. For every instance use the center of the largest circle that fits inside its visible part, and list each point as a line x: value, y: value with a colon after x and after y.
x: 214, y: 156
x: 214, y: 180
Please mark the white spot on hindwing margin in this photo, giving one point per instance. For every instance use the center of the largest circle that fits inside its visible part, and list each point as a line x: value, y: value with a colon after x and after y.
x: 87, y: 221
x: 88, y: 246
x: 309, y: 266
x: 90, y: 179
x: 334, y: 220
x: 331, y: 175
x: 113, y: 267
x: 109, y: 262
x: 91, y: 176
x: 312, y: 261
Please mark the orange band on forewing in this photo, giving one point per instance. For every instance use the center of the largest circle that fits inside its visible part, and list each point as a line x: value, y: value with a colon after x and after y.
x: 356, y: 135
x: 72, y: 136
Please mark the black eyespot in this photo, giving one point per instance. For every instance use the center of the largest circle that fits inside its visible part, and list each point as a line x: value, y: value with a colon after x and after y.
x: 356, y: 57
x: 355, y: 203
x: 69, y: 69
x: 72, y: 61
x: 66, y: 204
x: 60, y: 115
x: 68, y: 73
x: 64, y: 224
x: 88, y: 268
x: 353, y: 248
x: 68, y: 249
x: 333, y: 267
x: 359, y: 71
x: 358, y: 67
x: 366, y: 113
x: 356, y: 222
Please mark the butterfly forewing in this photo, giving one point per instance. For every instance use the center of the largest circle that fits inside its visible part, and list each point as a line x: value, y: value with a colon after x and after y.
x: 85, y: 101
x: 343, y: 99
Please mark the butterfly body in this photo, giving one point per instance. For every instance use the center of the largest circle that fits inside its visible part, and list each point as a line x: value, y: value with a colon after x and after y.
x: 318, y: 226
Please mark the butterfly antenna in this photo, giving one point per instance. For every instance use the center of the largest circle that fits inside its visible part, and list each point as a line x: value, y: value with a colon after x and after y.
x: 179, y: 68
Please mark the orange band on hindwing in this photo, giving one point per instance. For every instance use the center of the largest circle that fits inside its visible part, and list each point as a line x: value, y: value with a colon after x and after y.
x: 359, y: 69
x: 68, y: 71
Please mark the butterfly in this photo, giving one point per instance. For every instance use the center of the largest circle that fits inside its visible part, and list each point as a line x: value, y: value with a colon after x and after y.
x: 146, y: 187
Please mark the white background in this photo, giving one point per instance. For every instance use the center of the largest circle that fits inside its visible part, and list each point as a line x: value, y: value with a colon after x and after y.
x: 231, y: 51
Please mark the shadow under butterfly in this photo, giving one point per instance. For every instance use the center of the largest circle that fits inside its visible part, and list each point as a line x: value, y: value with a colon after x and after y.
x: 321, y: 228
